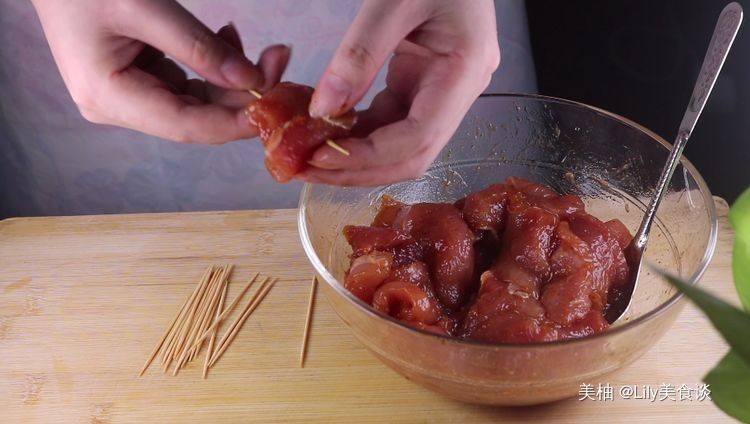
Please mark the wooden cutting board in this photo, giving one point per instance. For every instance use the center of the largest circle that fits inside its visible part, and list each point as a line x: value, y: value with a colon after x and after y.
x: 83, y: 300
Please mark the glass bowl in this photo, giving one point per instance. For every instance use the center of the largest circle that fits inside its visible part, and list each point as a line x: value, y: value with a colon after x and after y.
x: 612, y: 163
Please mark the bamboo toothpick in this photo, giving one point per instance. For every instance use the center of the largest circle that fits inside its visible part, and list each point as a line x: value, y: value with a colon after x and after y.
x: 212, y: 305
x: 228, y: 334
x: 306, y: 334
x: 204, y: 307
x: 172, y: 337
x: 171, y: 330
x: 203, y: 313
x: 200, y: 316
x: 227, y: 311
x: 252, y: 305
x: 255, y: 93
x: 173, y: 351
x: 180, y: 354
x: 211, y: 297
x: 337, y: 148
x: 212, y: 340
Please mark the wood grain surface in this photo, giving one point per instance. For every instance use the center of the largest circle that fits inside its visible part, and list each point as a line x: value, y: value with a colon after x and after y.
x: 83, y: 300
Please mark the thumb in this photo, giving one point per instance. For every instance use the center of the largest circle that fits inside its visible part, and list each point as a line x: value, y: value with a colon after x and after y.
x: 170, y: 28
x: 370, y: 40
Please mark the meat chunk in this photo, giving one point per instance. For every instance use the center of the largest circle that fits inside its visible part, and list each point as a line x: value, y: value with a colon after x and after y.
x: 513, y: 263
x: 289, y: 135
x: 446, y: 243
x: 567, y: 296
x: 528, y: 238
x: 278, y: 106
x: 501, y: 314
x: 364, y: 240
x: 486, y: 209
x: 367, y: 273
x: 416, y: 273
x: 406, y: 302
x: 610, y: 267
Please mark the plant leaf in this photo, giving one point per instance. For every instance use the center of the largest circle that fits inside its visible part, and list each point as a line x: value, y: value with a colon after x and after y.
x: 739, y: 217
x: 741, y: 270
x: 729, y: 383
x: 733, y: 323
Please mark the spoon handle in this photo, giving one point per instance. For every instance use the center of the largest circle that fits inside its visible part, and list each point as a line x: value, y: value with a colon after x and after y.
x: 721, y: 40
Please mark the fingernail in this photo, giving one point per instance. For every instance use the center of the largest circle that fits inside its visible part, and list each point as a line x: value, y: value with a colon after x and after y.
x: 240, y: 72
x: 288, y: 53
x: 325, y: 163
x: 229, y: 28
x: 330, y: 96
x: 230, y: 35
x: 325, y: 157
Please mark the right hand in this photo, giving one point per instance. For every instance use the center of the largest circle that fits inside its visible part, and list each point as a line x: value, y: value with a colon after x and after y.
x: 441, y: 55
x: 112, y: 57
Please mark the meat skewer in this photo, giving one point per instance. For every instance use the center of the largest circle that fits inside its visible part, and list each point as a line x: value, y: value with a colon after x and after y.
x: 289, y: 134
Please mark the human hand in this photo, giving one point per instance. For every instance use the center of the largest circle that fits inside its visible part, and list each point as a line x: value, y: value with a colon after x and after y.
x: 444, y: 54
x: 112, y: 58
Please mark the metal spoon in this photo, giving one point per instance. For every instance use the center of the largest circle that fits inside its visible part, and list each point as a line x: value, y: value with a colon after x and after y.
x: 721, y: 40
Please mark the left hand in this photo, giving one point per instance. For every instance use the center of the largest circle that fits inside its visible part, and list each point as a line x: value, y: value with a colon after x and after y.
x: 121, y: 61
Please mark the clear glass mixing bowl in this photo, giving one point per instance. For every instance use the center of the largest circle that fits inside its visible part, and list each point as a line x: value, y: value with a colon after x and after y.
x: 612, y: 163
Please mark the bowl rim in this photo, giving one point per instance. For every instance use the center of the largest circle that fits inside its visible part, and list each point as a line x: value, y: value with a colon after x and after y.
x: 322, y: 270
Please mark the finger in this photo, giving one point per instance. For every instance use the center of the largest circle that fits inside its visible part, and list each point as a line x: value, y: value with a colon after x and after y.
x: 236, y: 99
x: 384, y: 110
x: 372, y: 37
x: 413, y: 49
x: 371, y: 177
x: 147, y: 56
x: 197, y: 89
x: 169, y: 27
x: 392, y: 104
x: 230, y: 34
x: 140, y: 101
x: 273, y: 62
x: 387, y: 145
x: 191, y: 100
x: 443, y: 96
x: 405, y: 71
x: 168, y: 71
x: 405, y: 74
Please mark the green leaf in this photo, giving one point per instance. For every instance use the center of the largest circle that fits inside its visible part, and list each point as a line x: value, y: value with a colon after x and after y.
x: 729, y: 383
x: 739, y: 217
x: 733, y: 323
x: 741, y: 270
